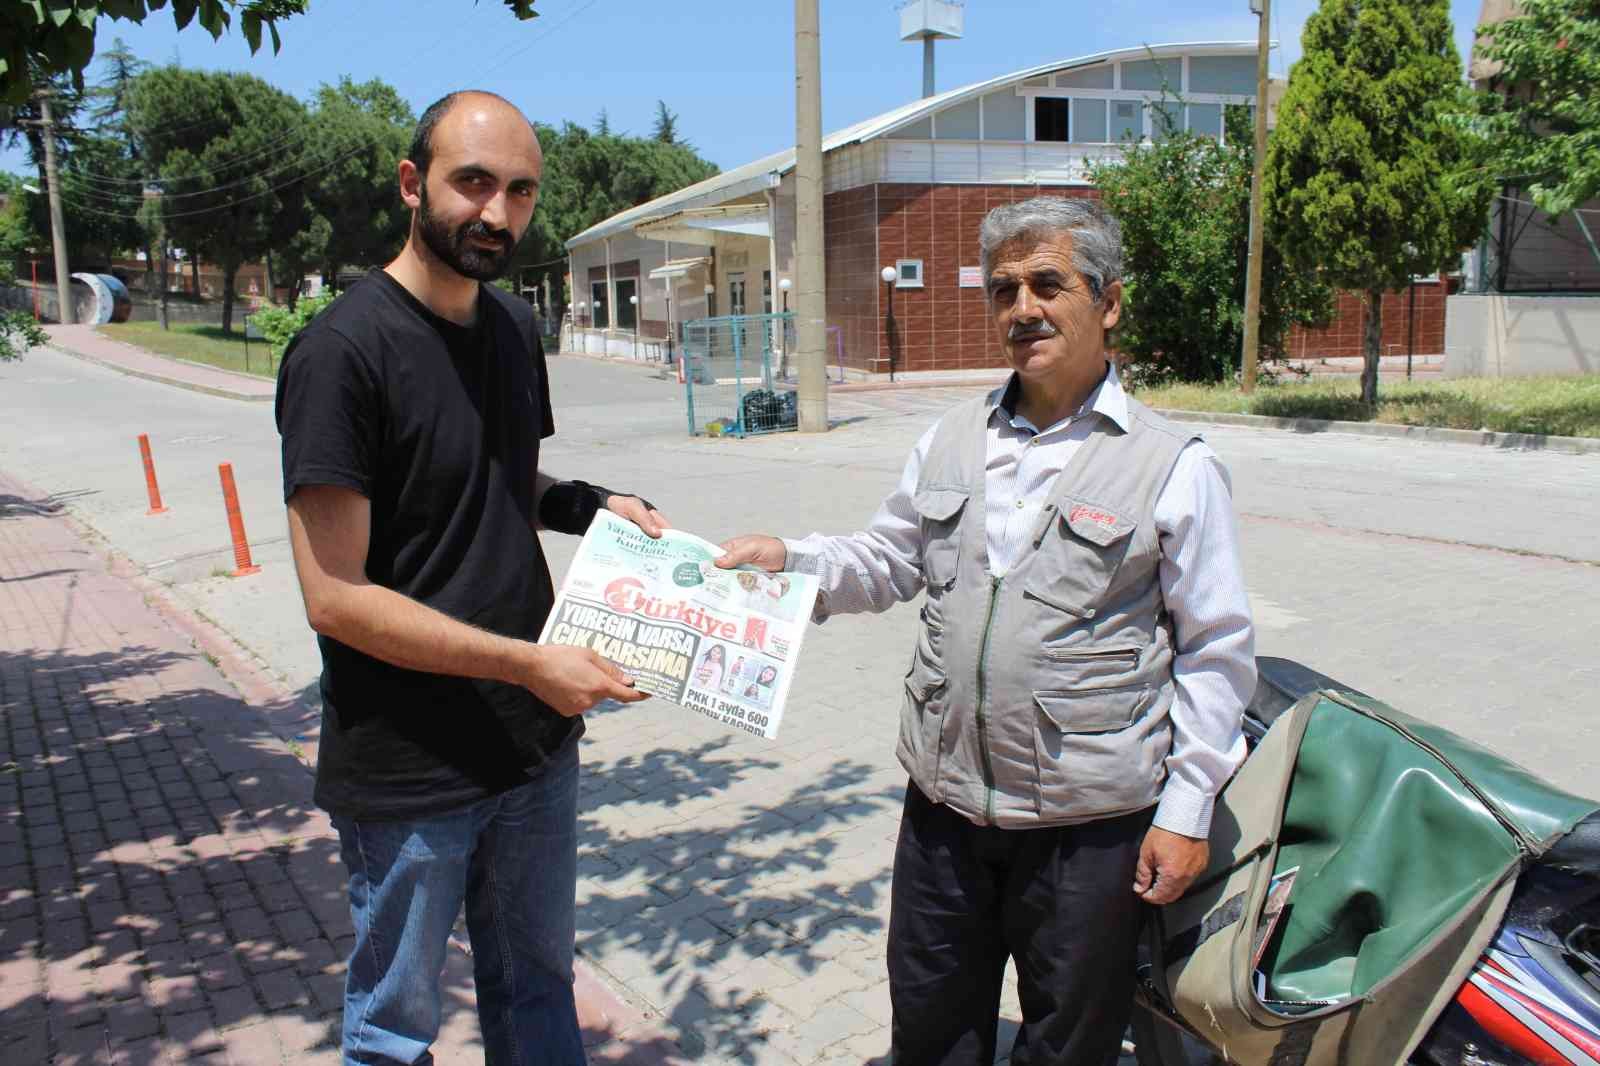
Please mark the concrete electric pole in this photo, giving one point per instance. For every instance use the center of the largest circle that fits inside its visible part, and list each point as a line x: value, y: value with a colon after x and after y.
x: 58, y: 228
x: 1252, y: 282
x: 811, y: 303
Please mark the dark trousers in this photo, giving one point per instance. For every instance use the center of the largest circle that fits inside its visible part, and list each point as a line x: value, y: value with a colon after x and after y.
x: 1059, y: 901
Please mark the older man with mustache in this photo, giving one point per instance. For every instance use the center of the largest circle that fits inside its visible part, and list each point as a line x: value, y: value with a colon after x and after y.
x: 1074, y: 699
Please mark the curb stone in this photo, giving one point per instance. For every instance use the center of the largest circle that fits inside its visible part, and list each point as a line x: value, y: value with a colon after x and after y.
x: 209, y: 390
x: 1437, y: 434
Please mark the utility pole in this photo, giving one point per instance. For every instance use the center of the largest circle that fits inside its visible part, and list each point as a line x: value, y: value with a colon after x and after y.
x: 1252, y: 283
x: 58, y: 227
x: 811, y: 299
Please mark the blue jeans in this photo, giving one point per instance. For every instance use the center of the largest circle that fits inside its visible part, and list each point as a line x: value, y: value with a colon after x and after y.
x: 512, y: 859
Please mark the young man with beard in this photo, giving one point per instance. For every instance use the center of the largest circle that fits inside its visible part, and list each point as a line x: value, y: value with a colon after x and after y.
x: 412, y: 411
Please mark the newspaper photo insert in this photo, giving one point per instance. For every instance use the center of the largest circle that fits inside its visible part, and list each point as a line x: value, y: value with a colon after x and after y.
x: 722, y: 643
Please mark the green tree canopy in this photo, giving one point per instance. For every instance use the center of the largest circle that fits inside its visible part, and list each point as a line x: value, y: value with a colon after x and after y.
x: 18, y: 236
x: 1366, y: 174
x: 589, y: 177
x: 1541, y: 122
x: 1184, y: 205
x: 359, y: 133
x: 231, y: 153
x: 58, y: 36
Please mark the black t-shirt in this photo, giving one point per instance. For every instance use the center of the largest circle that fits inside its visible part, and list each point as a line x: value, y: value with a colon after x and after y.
x: 438, y: 425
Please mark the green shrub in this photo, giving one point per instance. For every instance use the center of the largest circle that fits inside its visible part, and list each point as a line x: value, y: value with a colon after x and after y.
x: 279, y: 324
x: 18, y: 333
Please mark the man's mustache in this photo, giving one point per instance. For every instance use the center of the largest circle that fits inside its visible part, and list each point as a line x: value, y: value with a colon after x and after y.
x: 1031, y: 332
x: 479, y: 230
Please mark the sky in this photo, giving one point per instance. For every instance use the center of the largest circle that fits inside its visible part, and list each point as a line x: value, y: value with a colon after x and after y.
x: 727, y: 70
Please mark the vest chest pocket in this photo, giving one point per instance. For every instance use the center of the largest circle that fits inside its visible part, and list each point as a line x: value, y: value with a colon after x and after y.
x: 940, y: 510
x: 1078, y: 556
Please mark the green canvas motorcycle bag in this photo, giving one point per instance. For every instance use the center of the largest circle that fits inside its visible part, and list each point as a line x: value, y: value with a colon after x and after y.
x: 1405, y: 842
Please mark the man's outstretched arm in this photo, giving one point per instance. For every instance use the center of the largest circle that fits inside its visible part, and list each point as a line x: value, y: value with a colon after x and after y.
x: 867, y: 571
x: 329, y: 531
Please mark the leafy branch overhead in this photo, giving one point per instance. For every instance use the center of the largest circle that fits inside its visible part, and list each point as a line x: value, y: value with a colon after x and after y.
x: 40, y: 38
x: 1541, y: 125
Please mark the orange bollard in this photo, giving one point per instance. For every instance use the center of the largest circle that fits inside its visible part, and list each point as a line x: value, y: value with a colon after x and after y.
x: 241, y: 547
x: 150, y: 486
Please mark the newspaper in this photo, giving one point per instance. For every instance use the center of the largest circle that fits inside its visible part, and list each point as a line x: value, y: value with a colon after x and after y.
x: 722, y: 643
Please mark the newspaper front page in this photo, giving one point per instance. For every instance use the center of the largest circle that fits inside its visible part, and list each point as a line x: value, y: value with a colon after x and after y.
x: 722, y: 643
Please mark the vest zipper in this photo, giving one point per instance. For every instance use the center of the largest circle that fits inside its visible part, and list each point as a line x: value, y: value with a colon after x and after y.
x: 983, y: 698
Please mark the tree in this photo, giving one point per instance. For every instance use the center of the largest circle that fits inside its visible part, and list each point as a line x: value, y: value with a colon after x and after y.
x: 1366, y: 174
x: 1184, y: 205
x: 1541, y: 122
x: 589, y: 177
x: 18, y: 236
x: 602, y: 124
x: 360, y: 132
x: 57, y: 36
x: 232, y: 156
x: 666, y: 129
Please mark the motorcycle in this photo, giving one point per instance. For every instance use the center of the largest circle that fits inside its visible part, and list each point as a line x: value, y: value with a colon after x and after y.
x: 1530, y: 998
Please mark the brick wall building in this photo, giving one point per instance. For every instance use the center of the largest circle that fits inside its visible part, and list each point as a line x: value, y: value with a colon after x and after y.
x: 908, y: 189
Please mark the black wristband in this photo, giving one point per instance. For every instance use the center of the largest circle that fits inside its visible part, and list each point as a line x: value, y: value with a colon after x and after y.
x: 569, y: 506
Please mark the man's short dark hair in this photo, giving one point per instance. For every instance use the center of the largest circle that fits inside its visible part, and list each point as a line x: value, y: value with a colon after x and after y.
x: 421, y: 153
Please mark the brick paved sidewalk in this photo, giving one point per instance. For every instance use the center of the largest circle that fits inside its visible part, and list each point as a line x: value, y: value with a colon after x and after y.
x: 167, y: 892
x: 86, y: 342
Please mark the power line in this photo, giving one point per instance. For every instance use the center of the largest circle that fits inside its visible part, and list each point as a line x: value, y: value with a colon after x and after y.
x: 272, y: 147
x: 313, y: 155
x: 165, y: 215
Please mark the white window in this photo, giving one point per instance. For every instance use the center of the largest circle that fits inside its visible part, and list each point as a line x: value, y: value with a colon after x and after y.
x: 908, y: 273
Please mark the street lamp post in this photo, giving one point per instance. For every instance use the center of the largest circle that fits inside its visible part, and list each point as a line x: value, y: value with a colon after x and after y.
x: 634, y: 302
x: 583, y: 305
x: 784, y: 285
x: 888, y: 274
x: 594, y: 315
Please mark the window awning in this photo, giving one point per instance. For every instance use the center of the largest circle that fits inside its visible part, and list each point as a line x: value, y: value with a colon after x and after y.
x: 677, y: 268
x: 695, y: 226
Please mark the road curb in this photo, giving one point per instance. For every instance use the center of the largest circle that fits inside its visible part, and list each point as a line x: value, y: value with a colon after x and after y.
x: 1485, y: 438
x: 192, y: 386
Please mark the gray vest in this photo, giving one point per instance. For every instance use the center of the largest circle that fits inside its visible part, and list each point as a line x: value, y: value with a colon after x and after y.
x: 1042, y: 698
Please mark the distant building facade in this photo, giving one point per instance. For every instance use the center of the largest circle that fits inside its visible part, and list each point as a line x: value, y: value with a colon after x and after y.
x: 907, y: 190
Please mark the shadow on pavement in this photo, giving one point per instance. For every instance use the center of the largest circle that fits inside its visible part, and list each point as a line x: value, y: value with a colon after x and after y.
x: 715, y: 918
x: 173, y: 890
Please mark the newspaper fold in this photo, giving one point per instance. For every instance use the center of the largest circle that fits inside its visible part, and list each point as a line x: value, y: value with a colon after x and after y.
x: 722, y: 643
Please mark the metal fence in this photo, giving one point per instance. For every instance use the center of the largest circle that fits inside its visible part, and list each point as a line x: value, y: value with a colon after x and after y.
x: 732, y: 375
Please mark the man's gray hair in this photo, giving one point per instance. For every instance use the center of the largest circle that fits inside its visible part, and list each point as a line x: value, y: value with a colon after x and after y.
x: 1096, y: 235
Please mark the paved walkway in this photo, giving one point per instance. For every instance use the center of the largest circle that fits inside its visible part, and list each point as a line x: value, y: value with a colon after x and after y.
x: 736, y: 890
x: 86, y: 342
x: 167, y: 892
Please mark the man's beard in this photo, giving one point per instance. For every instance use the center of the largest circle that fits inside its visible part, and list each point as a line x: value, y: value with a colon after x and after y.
x: 456, y: 250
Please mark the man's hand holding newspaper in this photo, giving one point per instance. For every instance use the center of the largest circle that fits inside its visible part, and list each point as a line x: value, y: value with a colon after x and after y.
x: 716, y: 631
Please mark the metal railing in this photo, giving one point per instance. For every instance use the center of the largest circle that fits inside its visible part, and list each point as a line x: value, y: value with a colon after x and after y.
x: 731, y: 378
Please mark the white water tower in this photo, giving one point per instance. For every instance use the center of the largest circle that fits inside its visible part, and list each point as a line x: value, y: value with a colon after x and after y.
x: 928, y: 21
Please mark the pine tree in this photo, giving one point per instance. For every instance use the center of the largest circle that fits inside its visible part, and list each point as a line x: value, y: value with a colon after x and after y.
x: 666, y: 130
x: 1365, y: 173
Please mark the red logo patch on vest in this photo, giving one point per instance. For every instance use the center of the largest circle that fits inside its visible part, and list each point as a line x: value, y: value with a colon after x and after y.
x: 1085, y: 513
